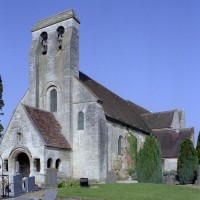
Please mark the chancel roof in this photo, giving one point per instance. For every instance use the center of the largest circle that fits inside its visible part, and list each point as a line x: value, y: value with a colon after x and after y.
x: 115, y: 107
x: 170, y: 140
x: 48, y: 127
x: 159, y: 120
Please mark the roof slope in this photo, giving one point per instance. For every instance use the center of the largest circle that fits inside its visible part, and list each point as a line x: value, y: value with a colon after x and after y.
x: 159, y: 120
x: 115, y: 107
x: 48, y: 127
x: 170, y: 140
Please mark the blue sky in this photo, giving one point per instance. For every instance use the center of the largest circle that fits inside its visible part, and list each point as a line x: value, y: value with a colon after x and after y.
x: 146, y: 51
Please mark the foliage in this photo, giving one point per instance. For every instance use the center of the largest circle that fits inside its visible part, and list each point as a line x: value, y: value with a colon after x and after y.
x: 198, y: 147
x: 132, y: 151
x: 187, y: 163
x: 148, y: 166
x: 1, y: 103
x: 68, y: 183
x: 140, y: 191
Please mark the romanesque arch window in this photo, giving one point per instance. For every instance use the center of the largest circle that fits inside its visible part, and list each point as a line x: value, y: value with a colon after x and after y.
x: 58, y: 161
x: 43, y: 39
x: 60, y: 32
x: 53, y: 100
x: 81, y: 121
x: 120, y: 145
x: 49, y: 163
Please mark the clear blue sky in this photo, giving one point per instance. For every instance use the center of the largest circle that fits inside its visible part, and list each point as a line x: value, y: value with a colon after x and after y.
x: 146, y: 51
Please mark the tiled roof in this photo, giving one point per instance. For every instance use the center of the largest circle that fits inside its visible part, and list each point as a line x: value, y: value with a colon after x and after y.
x: 159, y: 120
x: 170, y: 140
x: 115, y: 107
x: 48, y: 127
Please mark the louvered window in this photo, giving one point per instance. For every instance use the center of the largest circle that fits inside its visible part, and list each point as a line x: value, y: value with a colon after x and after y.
x: 80, y: 121
x: 53, y: 100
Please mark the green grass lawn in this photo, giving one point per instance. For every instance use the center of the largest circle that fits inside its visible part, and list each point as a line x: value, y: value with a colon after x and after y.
x: 133, y: 191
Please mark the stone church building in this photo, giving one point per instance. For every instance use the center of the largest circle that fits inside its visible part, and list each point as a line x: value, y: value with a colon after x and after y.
x: 68, y: 121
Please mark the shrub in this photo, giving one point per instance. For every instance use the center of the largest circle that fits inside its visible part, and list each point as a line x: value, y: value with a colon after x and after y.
x: 166, y: 173
x: 187, y: 163
x: 68, y: 183
x: 148, y: 165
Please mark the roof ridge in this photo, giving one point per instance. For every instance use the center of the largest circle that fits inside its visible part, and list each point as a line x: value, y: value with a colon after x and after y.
x: 153, y: 113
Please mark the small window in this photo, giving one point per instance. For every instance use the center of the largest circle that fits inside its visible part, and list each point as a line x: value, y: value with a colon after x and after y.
x: 43, y: 38
x: 49, y: 163
x: 58, y: 161
x: 80, y: 121
x: 120, y: 145
x: 53, y: 100
x: 37, y: 164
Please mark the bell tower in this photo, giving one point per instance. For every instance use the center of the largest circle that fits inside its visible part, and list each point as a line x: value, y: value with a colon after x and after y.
x: 54, y: 58
x: 54, y: 61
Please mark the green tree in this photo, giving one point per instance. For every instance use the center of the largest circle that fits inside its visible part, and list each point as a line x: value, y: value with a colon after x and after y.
x: 1, y: 104
x: 187, y: 162
x: 198, y: 147
x: 148, y: 165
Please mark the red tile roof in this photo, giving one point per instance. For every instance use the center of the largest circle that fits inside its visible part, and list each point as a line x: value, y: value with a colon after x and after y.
x: 48, y: 127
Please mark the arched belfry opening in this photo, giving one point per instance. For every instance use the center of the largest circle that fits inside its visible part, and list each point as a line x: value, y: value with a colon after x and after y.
x: 60, y: 32
x: 23, y: 164
x: 43, y: 39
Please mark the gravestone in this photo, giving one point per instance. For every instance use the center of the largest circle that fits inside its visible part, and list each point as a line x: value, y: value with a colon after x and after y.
x: 16, y: 187
x: 30, y: 184
x: 51, y: 177
x: 111, y: 178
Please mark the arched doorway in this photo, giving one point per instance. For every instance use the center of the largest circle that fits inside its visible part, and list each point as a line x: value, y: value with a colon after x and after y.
x: 23, y: 162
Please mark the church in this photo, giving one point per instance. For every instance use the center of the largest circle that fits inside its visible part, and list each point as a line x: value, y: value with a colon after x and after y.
x: 68, y: 121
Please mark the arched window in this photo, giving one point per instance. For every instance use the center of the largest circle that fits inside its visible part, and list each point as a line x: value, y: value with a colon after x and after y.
x: 53, y: 100
x: 43, y: 38
x: 49, y: 163
x: 80, y: 121
x: 60, y: 32
x: 120, y: 145
x: 58, y: 161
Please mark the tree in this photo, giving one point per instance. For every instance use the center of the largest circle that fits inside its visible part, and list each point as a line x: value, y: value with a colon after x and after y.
x: 148, y: 165
x: 187, y: 162
x: 198, y: 147
x: 1, y: 103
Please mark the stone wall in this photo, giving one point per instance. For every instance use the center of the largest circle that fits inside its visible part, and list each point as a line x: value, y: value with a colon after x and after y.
x: 170, y: 164
x: 120, y: 163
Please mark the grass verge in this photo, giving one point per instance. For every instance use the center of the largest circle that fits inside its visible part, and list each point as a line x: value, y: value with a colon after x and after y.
x: 140, y: 191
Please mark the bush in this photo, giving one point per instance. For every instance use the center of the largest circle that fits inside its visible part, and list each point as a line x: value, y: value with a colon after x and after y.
x: 68, y: 183
x: 148, y: 165
x: 187, y: 163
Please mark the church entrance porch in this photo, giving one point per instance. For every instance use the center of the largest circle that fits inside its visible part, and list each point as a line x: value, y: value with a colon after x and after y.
x: 20, y: 161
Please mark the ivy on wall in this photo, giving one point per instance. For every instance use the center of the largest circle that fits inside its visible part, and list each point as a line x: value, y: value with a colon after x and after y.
x: 132, y: 151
